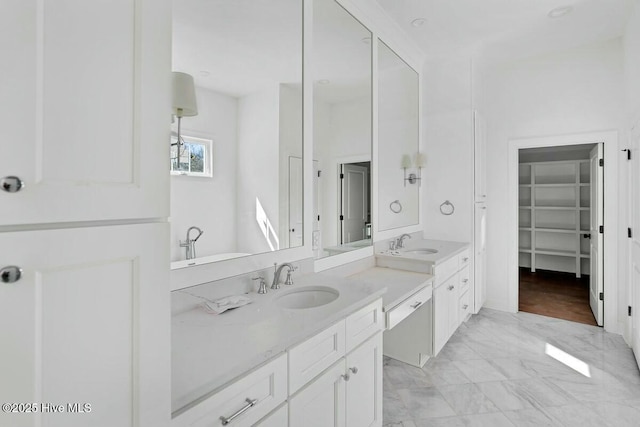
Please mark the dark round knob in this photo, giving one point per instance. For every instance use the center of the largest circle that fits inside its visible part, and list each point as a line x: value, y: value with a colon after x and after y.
x: 11, y: 184
x: 10, y: 274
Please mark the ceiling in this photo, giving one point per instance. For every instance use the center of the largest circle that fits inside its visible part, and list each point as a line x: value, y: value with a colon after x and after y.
x: 504, y: 29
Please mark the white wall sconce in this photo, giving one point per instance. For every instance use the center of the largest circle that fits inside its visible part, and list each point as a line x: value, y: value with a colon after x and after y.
x: 419, y: 164
x: 183, y: 103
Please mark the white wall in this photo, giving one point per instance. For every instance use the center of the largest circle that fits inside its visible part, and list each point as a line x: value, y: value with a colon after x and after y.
x: 448, y: 134
x: 258, y: 166
x: 208, y: 203
x: 575, y: 91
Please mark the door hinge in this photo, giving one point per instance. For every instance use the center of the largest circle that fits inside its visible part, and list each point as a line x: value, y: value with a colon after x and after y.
x: 341, y: 176
x: 629, y: 234
x: 601, y: 296
x: 602, y: 229
x: 601, y: 162
x: 629, y: 311
x: 628, y: 150
x: 341, y: 217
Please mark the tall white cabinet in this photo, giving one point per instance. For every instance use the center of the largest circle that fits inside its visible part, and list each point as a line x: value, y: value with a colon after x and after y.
x: 85, y: 113
x: 554, y: 214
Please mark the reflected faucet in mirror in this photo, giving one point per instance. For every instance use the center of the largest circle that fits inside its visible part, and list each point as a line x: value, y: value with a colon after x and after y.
x: 278, y: 271
x: 190, y: 244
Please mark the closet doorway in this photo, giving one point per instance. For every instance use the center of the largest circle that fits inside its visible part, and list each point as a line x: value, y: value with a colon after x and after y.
x: 560, y: 232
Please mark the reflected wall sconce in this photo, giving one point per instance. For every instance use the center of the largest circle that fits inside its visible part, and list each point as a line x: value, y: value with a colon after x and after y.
x: 183, y: 102
x: 419, y: 164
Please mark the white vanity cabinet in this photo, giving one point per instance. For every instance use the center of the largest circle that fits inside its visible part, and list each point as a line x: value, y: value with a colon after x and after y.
x: 451, y: 297
x: 333, y: 378
x: 348, y: 394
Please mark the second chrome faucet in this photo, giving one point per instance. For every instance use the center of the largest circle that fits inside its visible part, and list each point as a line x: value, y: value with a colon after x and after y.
x: 276, y: 275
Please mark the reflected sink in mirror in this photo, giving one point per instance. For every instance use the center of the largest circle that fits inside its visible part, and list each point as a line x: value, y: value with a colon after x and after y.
x: 421, y: 251
x: 307, y: 297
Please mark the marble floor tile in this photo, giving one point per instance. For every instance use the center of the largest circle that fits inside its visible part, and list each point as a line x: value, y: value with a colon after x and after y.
x: 479, y: 370
x: 531, y: 418
x: 467, y: 399
x: 425, y: 403
x: 495, y: 372
x: 481, y: 420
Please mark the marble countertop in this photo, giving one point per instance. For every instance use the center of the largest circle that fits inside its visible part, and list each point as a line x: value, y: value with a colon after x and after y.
x: 446, y: 250
x: 208, y: 351
x: 400, y: 284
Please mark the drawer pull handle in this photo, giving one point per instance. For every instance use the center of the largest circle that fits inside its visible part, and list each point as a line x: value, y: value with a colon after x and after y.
x: 10, y: 274
x: 465, y: 280
x: 416, y: 304
x: 450, y: 287
x: 465, y: 259
x: 354, y: 370
x: 245, y: 408
x: 464, y: 307
x: 11, y: 184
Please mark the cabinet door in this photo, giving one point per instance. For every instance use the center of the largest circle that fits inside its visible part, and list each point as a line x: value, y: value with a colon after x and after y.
x: 452, y: 303
x: 364, y: 388
x: 321, y: 403
x: 440, y: 317
x: 85, y: 109
x: 87, y: 324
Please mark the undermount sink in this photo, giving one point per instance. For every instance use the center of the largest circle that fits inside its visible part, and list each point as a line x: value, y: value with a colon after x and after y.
x: 421, y: 251
x: 307, y: 297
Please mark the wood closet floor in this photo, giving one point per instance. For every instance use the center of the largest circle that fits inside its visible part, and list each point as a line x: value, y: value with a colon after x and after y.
x: 555, y: 294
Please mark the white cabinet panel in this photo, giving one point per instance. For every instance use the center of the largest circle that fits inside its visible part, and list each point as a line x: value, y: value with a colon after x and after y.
x: 321, y: 403
x: 85, y: 109
x: 364, y: 323
x: 279, y: 418
x: 313, y: 356
x: 364, y: 388
x: 78, y: 327
x: 445, y: 312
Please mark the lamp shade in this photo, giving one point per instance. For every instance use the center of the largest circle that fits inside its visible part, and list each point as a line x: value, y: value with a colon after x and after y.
x: 184, y: 95
x: 406, y: 161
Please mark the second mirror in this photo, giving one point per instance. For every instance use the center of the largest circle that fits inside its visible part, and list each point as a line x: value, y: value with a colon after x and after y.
x: 342, y: 130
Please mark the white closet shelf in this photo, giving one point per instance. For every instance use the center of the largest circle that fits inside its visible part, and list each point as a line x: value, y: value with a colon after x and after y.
x: 551, y: 202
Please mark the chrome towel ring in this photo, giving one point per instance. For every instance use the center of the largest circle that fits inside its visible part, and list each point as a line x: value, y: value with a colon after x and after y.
x: 395, y: 206
x: 447, y: 208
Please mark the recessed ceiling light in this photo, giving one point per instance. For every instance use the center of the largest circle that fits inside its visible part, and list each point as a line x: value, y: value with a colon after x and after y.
x: 324, y: 82
x: 419, y: 22
x: 366, y: 40
x: 559, y: 12
x: 205, y: 73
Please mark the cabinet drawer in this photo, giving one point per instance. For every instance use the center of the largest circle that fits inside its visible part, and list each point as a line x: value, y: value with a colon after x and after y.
x: 463, y: 258
x: 465, y: 279
x: 316, y: 354
x: 267, y: 386
x: 364, y: 323
x: 445, y: 270
x: 280, y: 418
x: 464, y: 306
x: 401, y: 311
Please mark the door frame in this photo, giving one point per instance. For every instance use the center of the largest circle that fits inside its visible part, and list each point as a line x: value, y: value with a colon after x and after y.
x: 611, y: 208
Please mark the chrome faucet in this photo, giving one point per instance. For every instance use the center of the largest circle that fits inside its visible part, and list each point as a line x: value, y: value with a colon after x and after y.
x: 278, y: 271
x: 262, y: 289
x: 190, y: 244
x: 400, y: 241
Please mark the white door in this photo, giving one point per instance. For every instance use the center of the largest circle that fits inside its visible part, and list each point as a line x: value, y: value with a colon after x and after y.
x: 634, y: 250
x: 321, y: 403
x: 480, y: 157
x: 354, y: 185
x: 78, y: 326
x: 78, y: 128
x: 364, y: 388
x: 596, y: 280
x: 295, y: 202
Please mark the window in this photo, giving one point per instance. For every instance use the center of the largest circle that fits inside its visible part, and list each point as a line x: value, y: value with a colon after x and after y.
x: 195, y: 156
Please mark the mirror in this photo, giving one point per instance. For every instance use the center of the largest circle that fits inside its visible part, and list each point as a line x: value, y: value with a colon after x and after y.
x: 246, y: 61
x: 342, y: 130
x: 399, y: 163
